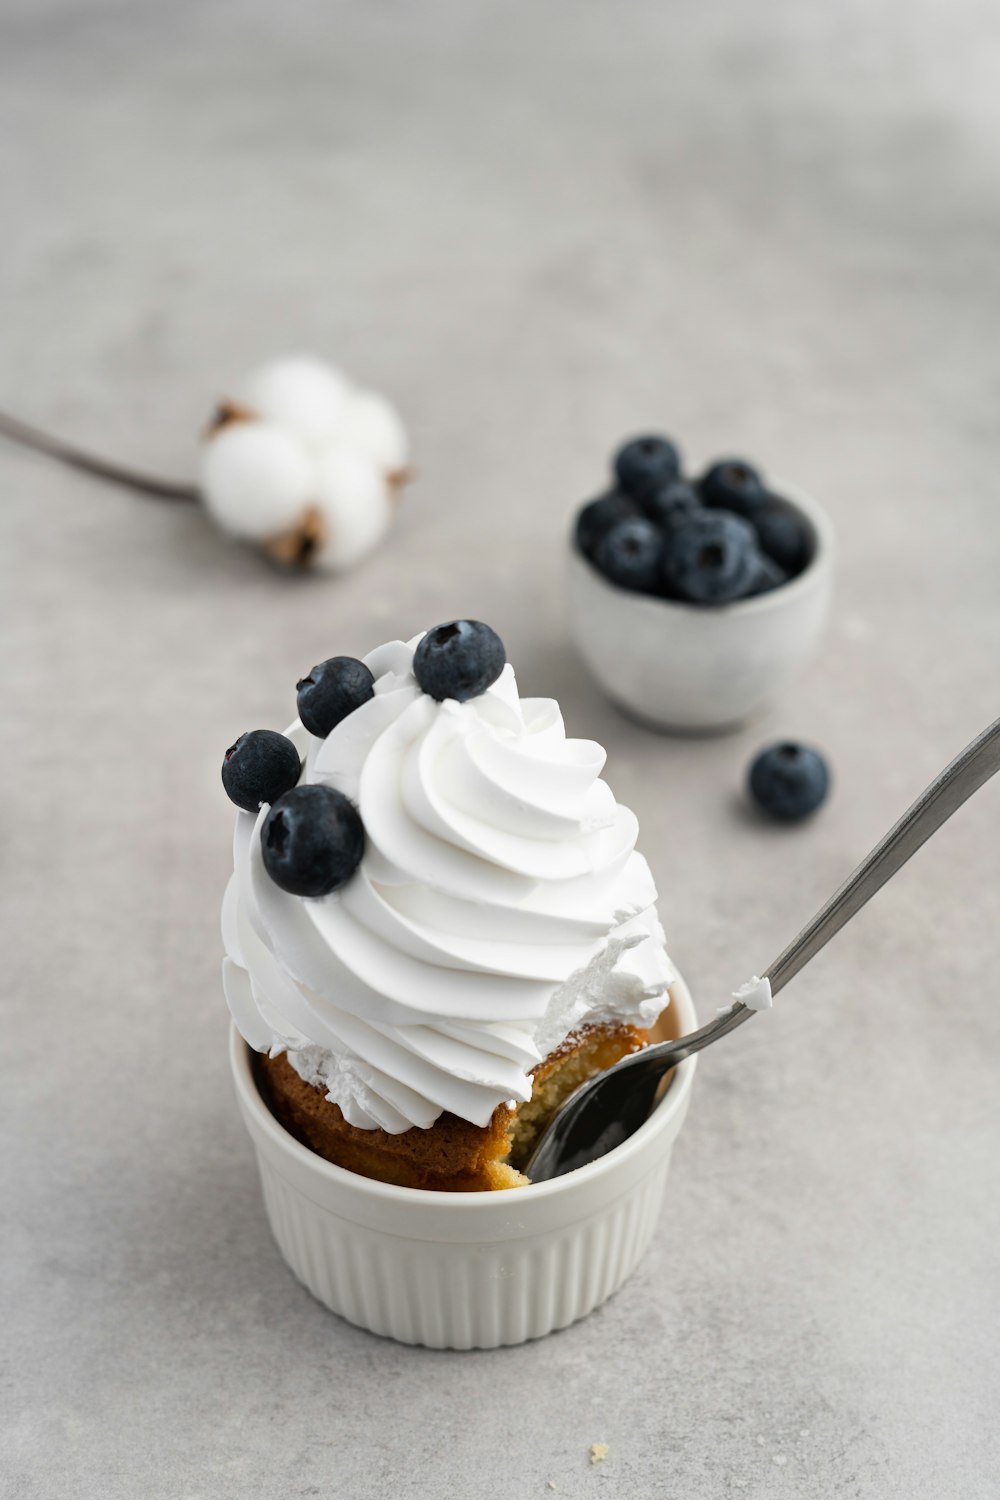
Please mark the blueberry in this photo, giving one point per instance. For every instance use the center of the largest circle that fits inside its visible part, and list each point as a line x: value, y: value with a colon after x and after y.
x: 733, y: 485
x: 312, y: 840
x: 672, y: 503
x: 599, y: 516
x: 459, y: 660
x: 784, y: 533
x: 769, y: 575
x: 331, y: 691
x: 646, y: 464
x: 789, y: 781
x: 259, y: 767
x: 711, y: 559
x: 631, y: 555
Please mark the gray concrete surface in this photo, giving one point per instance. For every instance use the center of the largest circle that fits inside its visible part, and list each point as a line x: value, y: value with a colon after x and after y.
x: 770, y: 229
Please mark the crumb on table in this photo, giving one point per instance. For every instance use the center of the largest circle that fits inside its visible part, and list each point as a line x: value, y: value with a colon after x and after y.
x: 598, y: 1452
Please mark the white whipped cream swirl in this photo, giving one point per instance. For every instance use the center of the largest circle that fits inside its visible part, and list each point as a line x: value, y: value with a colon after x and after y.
x: 500, y: 905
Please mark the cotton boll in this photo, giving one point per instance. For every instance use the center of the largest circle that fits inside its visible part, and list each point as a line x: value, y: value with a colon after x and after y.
x: 353, y: 497
x: 256, y: 479
x: 372, y: 426
x: 305, y: 464
x: 305, y: 395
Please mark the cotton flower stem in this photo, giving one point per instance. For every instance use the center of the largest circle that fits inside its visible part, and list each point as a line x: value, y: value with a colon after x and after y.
x: 89, y: 463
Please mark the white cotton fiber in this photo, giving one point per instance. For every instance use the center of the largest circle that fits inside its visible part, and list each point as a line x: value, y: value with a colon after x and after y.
x: 306, y: 395
x: 353, y: 495
x: 256, y: 479
x: 372, y: 427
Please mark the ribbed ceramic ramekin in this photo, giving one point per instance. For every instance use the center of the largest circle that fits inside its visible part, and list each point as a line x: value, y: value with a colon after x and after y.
x: 466, y: 1270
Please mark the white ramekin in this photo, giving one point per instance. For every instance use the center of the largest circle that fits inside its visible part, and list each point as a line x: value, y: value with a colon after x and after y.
x: 696, y: 667
x: 466, y: 1270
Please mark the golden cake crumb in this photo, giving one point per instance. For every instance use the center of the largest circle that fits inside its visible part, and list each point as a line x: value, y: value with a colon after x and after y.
x: 453, y: 1155
x: 598, y: 1452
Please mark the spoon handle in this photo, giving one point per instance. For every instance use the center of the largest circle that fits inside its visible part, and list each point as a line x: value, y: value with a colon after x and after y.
x: 957, y: 782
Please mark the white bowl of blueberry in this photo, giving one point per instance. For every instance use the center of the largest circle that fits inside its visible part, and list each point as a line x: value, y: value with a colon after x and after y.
x: 693, y: 602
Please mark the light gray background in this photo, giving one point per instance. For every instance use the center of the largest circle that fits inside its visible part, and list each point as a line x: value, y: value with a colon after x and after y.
x: 767, y: 228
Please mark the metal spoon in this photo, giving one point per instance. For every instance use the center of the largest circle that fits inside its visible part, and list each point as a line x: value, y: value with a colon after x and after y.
x: 610, y: 1107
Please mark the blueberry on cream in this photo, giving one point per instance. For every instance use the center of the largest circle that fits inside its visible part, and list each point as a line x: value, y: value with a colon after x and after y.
x: 459, y: 660
x: 331, y: 691
x: 259, y: 767
x: 312, y: 840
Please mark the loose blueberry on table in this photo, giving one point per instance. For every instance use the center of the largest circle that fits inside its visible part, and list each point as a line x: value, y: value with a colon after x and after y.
x: 713, y: 541
x: 789, y: 781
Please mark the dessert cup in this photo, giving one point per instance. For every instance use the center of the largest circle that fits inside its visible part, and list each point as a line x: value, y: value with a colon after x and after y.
x: 466, y: 1270
x: 437, y: 919
x: 699, y: 668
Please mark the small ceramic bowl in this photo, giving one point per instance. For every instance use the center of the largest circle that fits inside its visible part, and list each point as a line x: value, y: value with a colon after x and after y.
x: 698, y: 668
x: 466, y: 1270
